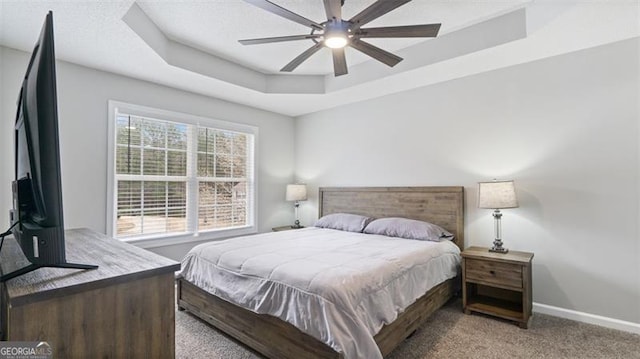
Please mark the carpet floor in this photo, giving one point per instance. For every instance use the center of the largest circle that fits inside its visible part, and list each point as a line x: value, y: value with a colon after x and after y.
x: 451, y: 334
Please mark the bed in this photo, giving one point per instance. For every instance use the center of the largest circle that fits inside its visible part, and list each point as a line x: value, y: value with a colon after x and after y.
x: 276, y: 338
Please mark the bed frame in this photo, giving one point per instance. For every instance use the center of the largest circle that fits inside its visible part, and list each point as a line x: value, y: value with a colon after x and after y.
x: 275, y: 338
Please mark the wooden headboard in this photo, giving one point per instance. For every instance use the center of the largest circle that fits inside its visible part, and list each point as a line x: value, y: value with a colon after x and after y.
x: 443, y: 206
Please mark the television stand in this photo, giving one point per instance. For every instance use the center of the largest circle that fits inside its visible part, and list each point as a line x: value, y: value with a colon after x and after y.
x: 32, y: 267
x: 123, y: 309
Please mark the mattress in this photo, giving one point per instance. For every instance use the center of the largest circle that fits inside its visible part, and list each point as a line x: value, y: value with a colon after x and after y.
x: 339, y: 287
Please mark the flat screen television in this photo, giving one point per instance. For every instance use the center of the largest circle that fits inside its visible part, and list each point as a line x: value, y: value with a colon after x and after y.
x: 36, y: 218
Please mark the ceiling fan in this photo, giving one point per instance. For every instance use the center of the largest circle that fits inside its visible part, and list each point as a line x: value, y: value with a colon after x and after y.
x: 336, y: 33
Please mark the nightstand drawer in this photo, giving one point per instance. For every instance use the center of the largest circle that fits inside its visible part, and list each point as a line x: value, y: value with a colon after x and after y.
x: 495, y: 273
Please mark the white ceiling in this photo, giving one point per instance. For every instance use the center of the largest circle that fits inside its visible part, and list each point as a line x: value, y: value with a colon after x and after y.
x: 217, y: 29
x: 93, y: 33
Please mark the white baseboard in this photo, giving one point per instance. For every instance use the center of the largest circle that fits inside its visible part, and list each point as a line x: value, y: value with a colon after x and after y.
x: 587, y: 318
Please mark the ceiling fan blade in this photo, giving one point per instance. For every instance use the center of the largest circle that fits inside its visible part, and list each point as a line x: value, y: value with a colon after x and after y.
x: 377, y: 53
x: 429, y: 30
x: 302, y: 57
x: 333, y: 9
x: 374, y: 11
x: 280, y: 11
x: 339, y: 62
x: 266, y: 40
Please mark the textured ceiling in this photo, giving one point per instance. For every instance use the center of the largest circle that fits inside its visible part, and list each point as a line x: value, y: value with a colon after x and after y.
x: 217, y: 29
x: 93, y: 34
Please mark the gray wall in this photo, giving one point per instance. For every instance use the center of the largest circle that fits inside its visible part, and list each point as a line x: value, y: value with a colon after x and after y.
x: 82, y: 107
x: 565, y: 128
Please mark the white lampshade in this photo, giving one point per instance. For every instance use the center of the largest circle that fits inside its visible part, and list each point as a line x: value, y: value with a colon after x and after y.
x: 497, y: 194
x: 296, y: 192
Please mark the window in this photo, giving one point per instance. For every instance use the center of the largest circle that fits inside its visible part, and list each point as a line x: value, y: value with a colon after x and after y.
x: 180, y: 176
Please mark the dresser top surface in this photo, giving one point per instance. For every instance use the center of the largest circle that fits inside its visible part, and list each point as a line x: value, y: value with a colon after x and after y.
x: 117, y: 262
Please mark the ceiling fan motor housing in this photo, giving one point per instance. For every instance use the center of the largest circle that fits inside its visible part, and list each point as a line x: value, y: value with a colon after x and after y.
x: 336, y: 29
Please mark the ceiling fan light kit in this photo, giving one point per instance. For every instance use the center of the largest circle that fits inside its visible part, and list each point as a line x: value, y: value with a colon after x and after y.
x: 337, y: 41
x: 336, y: 33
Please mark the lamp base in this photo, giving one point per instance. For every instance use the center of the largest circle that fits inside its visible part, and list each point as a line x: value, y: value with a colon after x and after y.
x: 296, y: 224
x: 497, y: 242
x: 498, y: 250
x: 497, y: 246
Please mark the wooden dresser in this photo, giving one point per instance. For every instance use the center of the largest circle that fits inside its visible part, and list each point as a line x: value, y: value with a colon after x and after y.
x: 497, y: 284
x: 123, y: 309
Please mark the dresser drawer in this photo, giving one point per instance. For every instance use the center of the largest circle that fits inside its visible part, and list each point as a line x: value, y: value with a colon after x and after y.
x: 493, y: 273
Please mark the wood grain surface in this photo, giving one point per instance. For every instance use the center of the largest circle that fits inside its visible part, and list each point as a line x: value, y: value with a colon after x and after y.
x: 118, y: 262
x: 506, y: 275
x: 443, y: 206
x: 498, y: 284
x: 123, y: 309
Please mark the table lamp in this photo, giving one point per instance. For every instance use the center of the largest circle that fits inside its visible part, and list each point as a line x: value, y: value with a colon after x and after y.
x: 497, y: 195
x: 296, y: 193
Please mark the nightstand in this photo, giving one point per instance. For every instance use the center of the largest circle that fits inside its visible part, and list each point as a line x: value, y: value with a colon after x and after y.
x: 497, y: 284
x: 284, y: 228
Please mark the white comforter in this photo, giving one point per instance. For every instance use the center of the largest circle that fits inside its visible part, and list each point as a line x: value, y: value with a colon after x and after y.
x: 339, y: 287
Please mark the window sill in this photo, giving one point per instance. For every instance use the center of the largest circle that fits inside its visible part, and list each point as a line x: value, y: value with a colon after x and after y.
x: 164, y: 241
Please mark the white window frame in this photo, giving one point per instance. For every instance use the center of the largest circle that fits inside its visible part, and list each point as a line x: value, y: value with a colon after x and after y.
x: 164, y: 239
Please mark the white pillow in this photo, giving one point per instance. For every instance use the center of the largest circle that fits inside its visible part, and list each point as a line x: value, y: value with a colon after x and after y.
x: 344, y: 222
x: 408, y: 228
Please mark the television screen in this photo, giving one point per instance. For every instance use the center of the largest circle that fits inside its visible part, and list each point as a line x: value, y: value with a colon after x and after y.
x: 37, y: 217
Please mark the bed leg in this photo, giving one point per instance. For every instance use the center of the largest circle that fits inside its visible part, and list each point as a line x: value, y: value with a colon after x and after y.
x: 179, y: 294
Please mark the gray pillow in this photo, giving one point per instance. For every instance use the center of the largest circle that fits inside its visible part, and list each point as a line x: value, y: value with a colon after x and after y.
x: 344, y: 222
x: 408, y: 228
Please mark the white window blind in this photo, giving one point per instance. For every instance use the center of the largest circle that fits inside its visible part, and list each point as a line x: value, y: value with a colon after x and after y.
x: 173, y: 178
x: 222, y: 178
